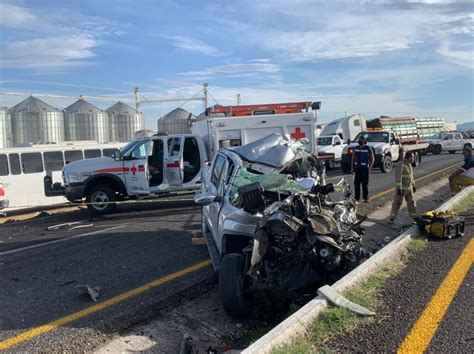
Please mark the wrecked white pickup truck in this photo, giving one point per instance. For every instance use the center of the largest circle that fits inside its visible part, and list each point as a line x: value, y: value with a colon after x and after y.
x: 270, y: 225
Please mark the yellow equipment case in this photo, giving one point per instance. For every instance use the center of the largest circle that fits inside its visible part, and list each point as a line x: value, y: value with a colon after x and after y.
x: 442, y: 224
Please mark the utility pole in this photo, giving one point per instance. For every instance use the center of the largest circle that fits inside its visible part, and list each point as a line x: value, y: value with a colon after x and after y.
x: 137, y: 99
x: 239, y: 99
x: 205, y: 95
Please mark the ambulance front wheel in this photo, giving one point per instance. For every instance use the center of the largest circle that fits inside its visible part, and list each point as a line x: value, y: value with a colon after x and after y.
x: 101, y: 199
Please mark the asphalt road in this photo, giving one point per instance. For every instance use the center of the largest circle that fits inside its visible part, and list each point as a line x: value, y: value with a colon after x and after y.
x: 406, y: 295
x: 137, y: 244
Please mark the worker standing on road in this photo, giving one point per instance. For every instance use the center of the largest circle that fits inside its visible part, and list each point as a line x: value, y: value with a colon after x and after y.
x: 405, y: 187
x: 362, y: 161
x: 463, y: 176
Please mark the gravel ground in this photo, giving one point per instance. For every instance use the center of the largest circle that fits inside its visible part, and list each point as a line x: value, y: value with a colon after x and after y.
x: 405, y: 297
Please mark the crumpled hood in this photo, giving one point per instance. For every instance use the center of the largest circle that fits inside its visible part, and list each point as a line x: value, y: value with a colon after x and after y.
x: 92, y: 165
x: 273, y: 150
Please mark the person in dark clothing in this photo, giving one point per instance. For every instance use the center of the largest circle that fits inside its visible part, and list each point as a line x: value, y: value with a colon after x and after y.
x: 362, y: 161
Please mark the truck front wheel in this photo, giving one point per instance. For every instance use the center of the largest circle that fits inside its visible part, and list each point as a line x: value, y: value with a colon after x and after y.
x: 437, y: 149
x: 101, y: 199
x: 236, y: 303
x: 387, y: 164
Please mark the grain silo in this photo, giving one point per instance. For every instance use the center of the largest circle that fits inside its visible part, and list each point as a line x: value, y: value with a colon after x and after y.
x: 178, y: 121
x: 5, y: 128
x: 124, y: 122
x: 84, y: 121
x: 35, y: 121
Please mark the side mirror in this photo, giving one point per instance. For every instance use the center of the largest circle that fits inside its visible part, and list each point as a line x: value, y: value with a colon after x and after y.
x: 205, y: 198
x: 348, y: 141
x: 397, y: 141
x: 117, y: 155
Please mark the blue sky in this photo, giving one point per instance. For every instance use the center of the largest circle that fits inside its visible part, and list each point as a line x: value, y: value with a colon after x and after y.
x: 372, y: 57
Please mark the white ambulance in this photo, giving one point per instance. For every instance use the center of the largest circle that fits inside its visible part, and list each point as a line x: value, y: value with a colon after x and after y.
x: 166, y: 163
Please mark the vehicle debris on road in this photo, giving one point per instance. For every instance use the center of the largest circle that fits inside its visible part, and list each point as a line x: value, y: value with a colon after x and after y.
x: 92, y: 291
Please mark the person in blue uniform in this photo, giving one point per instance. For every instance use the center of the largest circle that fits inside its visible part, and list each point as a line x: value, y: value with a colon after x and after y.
x: 362, y: 161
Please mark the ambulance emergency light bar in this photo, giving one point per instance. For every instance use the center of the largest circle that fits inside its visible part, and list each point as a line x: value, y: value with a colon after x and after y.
x: 260, y: 109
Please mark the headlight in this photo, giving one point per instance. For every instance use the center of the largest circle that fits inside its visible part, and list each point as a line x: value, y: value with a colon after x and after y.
x: 77, y: 177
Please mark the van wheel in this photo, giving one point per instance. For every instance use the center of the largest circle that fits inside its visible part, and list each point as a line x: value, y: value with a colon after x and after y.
x: 387, y: 164
x: 237, y: 304
x: 101, y: 200
x: 437, y: 149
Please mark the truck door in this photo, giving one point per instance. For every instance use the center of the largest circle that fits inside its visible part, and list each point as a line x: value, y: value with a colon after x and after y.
x: 216, y: 187
x: 337, y: 143
x: 458, y: 142
x: 394, y: 147
x: 448, y: 142
x: 174, y: 162
x: 135, y: 167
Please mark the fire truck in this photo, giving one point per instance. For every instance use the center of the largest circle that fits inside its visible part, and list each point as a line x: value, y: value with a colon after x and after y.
x: 152, y: 166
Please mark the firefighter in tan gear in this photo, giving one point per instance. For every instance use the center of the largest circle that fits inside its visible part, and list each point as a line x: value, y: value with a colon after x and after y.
x: 405, y: 187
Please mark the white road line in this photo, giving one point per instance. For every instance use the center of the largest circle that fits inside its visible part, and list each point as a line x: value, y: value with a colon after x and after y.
x: 17, y: 250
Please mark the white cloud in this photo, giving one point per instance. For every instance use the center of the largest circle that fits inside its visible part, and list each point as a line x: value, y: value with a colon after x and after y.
x: 15, y: 16
x: 50, y: 52
x: 457, y: 56
x: 247, y: 69
x: 194, y: 45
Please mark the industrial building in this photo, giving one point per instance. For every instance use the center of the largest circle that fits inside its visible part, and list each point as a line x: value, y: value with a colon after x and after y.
x: 178, y: 121
x: 35, y: 121
x: 124, y: 122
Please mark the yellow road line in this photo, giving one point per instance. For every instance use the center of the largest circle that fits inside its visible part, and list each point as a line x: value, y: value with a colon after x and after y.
x: 419, y: 179
x: 28, y: 335
x: 419, y: 338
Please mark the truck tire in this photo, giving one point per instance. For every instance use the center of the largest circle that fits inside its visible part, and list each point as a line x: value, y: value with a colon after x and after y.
x: 467, y: 146
x: 101, y: 199
x: 423, y: 152
x: 330, y: 164
x: 452, y: 152
x: 417, y: 158
x: 346, y: 168
x: 387, y: 164
x: 437, y: 149
x: 236, y: 303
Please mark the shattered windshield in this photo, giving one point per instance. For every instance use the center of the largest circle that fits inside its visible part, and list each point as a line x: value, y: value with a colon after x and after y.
x: 325, y: 141
x: 270, y: 182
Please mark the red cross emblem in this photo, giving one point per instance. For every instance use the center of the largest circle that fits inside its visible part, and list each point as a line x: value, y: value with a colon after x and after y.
x: 134, y: 169
x: 298, y: 134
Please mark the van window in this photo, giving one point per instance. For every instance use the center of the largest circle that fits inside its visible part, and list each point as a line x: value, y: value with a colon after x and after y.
x: 356, y: 123
x: 15, y: 164
x: 191, y: 159
x: 53, y: 160
x: 108, y: 152
x: 90, y: 154
x: 32, y: 162
x: 73, y: 155
x: 3, y: 165
x: 174, y: 146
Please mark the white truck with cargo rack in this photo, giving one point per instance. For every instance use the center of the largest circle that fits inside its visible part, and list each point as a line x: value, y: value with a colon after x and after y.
x: 387, y: 147
x: 159, y: 164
